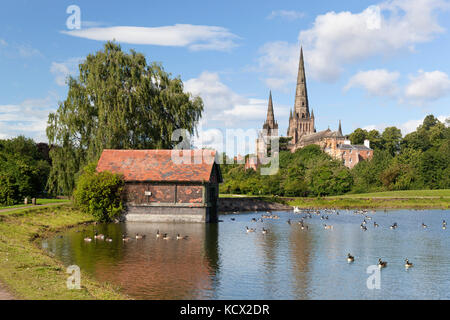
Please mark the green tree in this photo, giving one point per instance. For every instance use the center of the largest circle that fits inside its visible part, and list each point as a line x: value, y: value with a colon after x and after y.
x: 391, y: 139
x: 358, y: 136
x: 118, y: 101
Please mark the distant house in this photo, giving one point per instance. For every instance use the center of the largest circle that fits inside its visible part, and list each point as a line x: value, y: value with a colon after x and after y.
x: 351, y: 154
x: 166, y: 185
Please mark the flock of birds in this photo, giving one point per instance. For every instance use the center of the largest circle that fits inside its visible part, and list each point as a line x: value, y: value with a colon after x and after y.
x: 138, y: 236
x: 308, y: 214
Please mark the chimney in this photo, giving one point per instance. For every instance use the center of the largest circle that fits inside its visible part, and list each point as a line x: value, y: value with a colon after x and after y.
x: 367, y: 143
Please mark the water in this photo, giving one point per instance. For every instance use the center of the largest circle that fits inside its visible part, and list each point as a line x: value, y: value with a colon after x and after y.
x: 223, y: 261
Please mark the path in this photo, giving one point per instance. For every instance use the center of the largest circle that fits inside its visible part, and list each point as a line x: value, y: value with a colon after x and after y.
x: 5, y: 295
x: 34, y: 207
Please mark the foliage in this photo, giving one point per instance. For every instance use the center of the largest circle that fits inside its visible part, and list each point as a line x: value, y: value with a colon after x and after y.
x: 99, y: 194
x: 118, y: 101
x: 420, y: 160
x: 23, y: 170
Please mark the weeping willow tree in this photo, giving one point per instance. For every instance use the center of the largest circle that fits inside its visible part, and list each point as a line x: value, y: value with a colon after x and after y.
x: 117, y: 101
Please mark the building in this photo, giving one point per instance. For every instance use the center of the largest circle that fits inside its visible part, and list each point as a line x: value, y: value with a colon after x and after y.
x: 302, y: 130
x: 351, y: 154
x: 269, y: 131
x: 166, y: 185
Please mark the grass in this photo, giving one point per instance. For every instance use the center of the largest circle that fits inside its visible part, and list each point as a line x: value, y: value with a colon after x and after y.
x: 28, y: 271
x: 38, y: 202
x: 416, y: 199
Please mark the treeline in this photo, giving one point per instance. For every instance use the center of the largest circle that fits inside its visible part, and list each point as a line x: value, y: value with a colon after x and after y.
x: 24, y: 169
x: 420, y: 160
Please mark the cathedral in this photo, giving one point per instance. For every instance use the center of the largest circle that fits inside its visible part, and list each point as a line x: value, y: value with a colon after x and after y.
x: 302, y: 130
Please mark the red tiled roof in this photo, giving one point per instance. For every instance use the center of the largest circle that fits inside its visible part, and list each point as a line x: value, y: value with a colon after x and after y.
x: 158, y: 165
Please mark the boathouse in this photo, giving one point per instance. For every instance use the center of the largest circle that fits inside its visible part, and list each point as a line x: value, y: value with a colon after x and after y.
x: 166, y: 185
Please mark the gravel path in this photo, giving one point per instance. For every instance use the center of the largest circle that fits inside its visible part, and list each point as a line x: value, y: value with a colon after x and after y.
x: 34, y: 207
x: 5, y: 295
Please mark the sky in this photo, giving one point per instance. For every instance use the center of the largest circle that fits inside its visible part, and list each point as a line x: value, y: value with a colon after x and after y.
x: 370, y: 64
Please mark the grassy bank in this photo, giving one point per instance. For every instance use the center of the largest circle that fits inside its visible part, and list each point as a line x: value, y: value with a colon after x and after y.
x: 28, y: 271
x: 38, y: 202
x: 417, y: 199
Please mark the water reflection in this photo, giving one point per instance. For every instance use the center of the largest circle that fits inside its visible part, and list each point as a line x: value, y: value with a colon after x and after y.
x: 223, y: 261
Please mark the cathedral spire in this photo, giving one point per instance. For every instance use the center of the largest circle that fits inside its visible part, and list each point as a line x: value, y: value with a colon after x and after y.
x: 270, y: 115
x: 301, y: 95
x: 340, y: 129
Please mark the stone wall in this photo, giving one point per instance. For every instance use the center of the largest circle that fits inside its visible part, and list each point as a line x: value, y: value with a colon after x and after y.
x: 228, y: 205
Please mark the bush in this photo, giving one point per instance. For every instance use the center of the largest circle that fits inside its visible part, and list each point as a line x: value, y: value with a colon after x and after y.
x: 99, y: 193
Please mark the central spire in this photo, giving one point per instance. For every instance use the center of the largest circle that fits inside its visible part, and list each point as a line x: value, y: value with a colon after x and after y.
x: 301, y: 106
x: 270, y: 115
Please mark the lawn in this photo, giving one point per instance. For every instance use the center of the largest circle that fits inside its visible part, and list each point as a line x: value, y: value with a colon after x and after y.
x: 28, y: 271
x: 38, y: 202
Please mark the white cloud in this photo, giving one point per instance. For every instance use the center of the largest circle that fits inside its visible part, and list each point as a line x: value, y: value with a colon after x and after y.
x: 195, y: 37
x: 378, y: 82
x: 13, y: 50
x: 286, y: 14
x: 427, y: 86
x: 224, y: 108
x: 28, y: 118
x: 405, y: 127
x: 340, y: 38
x: 62, y: 70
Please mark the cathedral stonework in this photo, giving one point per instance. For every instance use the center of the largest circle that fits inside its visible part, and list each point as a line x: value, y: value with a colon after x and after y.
x: 302, y: 130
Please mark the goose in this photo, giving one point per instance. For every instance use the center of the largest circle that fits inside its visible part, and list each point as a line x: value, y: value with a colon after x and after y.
x: 394, y: 225
x: 289, y: 221
x: 444, y: 226
x: 381, y: 264
x: 166, y: 237
x: 253, y: 219
x: 264, y: 231
x: 350, y: 258
x: 158, y: 234
x: 408, y: 264
x: 364, y: 228
x: 87, y: 239
x: 99, y: 236
x: 424, y: 225
x: 232, y: 219
x: 125, y: 238
x: 108, y: 239
x: 140, y: 236
x: 181, y: 237
x: 249, y: 230
x: 328, y: 227
x: 375, y: 224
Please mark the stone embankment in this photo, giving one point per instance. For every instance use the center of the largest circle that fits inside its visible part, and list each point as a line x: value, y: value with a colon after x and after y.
x: 230, y: 205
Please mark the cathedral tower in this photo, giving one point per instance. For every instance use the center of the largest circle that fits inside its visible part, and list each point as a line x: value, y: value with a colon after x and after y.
x: 301, y: 122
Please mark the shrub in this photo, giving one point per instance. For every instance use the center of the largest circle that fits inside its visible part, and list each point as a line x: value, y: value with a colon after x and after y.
x: 99, y: 193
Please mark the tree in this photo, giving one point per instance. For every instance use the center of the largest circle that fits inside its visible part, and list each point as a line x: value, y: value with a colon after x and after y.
x: 358, y: 136
x: 118, y: 101
x: 391, y: 139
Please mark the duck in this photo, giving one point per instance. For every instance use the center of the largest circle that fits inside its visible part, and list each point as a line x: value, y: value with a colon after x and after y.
x: 179, y: 237
x: 350, y: 258
x: 381, y: 264
x: 99, y: 236
x: 264, y: 231
x: 408, y: 264
x: 140, y: 236
x: 125, y: 238
x: 87, y: 239
x: 249, y: 229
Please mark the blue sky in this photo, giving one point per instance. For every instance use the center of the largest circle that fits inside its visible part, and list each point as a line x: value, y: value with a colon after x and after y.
x: 370, y: 64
